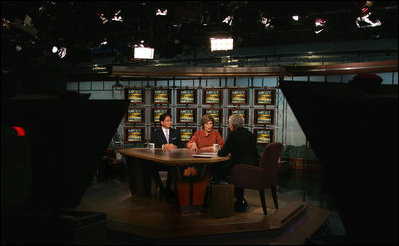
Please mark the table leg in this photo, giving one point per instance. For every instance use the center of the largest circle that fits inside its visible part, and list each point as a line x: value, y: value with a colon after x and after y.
x: 135, y: 176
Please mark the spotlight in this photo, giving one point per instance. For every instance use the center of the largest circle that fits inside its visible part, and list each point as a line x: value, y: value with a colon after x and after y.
x: 161, y: 12
x: 295, y: 17
x: 319, y: 24
x: 221, y: 44
x: 228, y: 20
x: 18, y: 48
x: 266, y: 21
x: 367, y: 20
x: 116, y: 17
x: 102, y: 18
x: 104, y: 42
x: 6, y: 23
x: 62, y: 52
x: 141, y: 52
x: 54, y: 49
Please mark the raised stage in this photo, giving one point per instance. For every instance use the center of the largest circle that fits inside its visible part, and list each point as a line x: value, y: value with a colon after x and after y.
x: 157, y: 220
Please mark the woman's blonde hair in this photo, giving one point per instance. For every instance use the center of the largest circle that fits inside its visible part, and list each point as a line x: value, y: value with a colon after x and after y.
x: 206, y: 118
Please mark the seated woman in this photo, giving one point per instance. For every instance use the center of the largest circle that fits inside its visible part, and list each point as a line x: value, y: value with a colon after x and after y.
x: 205, y: 138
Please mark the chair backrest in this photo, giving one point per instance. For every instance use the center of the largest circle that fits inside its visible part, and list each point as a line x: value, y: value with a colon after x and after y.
x: 268, y: 161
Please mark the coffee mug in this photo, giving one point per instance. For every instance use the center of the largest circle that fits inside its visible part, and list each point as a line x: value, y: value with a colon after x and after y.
x: 151, y: 146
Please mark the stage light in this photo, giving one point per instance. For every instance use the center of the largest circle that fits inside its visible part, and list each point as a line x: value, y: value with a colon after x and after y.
x: 6, y: 23
x: 221, y: 44
x: 228, y: 20
x: 116, y: 17
x: 319, y: 24
x: 62, y: 52
x: 18, y: 48
x: 266, y: 21
x: 141, y: 52
x: 104, y: 42
x: 368, y: 20
x: 54, y: 49
x: 102, y: 18
x: 161, y: 12
x: 295, y: 17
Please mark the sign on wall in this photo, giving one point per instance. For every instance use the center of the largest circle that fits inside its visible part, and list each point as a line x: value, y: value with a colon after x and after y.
x: 187, y: 96
x: 135, y: 115
x: 134, y: 134
x: 212, y: 96
x: 135, y: 96
x: 265, y: 96
x: 264, y: 116
x: 239, y: 96
x: 160, y: 96
x: 186, y: 115
x: 263, y: 136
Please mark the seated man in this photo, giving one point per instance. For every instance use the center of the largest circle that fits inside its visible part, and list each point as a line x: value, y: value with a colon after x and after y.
x: 165, y: 138
x: 241, y: 144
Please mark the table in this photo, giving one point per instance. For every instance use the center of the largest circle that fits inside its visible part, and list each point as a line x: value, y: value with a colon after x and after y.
x: 185, y: 185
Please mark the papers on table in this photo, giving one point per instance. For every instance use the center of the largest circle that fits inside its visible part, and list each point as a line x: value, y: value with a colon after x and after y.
x: 206, y: 155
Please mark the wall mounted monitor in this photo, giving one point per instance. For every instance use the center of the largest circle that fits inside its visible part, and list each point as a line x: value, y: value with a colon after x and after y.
x: 264, y: 136
x: 264, y: 116
x: 156, y: 112
x: 212, y: 96
x: 134, y: 134
x: 217, y: 114
x: 186, y: 133
x: 265, y: 96
x: 186, y: 96
x: 135, y: 115
x: 135, y: 96
x: 242, y: 112
x: 238, y: 96
x: 160, y: 96
x: 186, y: 115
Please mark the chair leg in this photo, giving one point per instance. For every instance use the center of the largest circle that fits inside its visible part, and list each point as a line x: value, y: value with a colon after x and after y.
x: 274, y: 194
x: 263, y: 201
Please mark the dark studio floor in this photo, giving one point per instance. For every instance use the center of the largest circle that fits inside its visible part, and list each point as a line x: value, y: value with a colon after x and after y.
x: 155, y: 220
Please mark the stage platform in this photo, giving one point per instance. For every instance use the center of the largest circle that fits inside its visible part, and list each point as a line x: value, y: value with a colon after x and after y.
x: 157, y: 220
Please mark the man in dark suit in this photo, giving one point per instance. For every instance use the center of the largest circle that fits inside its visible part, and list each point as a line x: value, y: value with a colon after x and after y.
x: 166, y: 138
x: 241, y: 144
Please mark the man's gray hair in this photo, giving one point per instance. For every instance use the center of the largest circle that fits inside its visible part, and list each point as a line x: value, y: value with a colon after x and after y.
x: 236, y: 120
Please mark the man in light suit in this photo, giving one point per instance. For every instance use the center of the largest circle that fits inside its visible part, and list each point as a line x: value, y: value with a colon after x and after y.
x: 166, y: 138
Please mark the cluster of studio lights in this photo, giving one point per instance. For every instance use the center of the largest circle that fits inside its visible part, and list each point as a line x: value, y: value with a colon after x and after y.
x: 116, y: 17
x: 366, y: 19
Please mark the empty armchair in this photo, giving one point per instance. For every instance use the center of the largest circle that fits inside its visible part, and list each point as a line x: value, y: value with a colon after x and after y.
x: 261, y: 177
